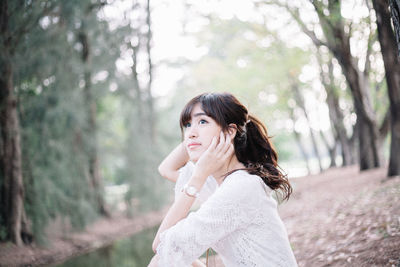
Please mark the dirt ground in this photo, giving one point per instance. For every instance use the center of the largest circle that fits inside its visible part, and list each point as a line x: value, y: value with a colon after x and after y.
x: 340, y: 217
x: 345, y: 218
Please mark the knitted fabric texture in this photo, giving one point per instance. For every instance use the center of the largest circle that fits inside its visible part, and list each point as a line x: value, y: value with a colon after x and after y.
x: 239, y: 221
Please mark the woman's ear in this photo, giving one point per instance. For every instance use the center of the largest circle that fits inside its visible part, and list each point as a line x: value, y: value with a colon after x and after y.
x: 232, y: 130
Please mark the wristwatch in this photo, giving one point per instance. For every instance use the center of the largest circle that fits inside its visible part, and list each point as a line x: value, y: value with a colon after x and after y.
x: 191, y: 191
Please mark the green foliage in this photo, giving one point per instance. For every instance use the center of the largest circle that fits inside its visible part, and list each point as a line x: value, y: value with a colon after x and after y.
x: 52, y: 123
x: 48, y: 73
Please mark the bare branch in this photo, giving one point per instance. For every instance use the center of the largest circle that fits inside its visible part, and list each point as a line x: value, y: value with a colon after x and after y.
x: 322, y: 17
x: 29, y: 23
x: 367, y: 66
x: 350, y: 28
x: 395, y: 14
x: 93, y: 6
x: 371, y: 39
x: 385, y: 126
x: 294, y: 12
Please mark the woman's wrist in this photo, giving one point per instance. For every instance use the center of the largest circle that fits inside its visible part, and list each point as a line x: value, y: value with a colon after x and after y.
x: 197, y: 180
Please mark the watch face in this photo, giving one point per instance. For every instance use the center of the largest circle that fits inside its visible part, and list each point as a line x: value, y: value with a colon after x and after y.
x: 191, y: 190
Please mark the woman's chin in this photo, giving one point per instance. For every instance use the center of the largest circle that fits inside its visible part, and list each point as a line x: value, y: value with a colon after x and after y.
x: 194, y: 158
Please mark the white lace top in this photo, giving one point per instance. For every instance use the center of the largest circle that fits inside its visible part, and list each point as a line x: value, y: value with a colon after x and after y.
x: 239, y: 221
x: 207, y: 190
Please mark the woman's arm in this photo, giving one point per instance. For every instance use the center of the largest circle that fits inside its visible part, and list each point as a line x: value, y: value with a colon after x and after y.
x: 169, y: 167
x: 210, y: 161
x: 234, y: 206
x: 179, y: 209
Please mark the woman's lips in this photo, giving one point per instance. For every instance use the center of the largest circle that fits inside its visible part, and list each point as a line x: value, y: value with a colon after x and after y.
x: 193, y: 145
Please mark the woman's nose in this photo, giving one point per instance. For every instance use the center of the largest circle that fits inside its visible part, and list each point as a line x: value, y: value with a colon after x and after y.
x: 193, y: 132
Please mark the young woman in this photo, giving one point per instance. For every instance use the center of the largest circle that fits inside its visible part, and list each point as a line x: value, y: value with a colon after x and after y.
x: 231, y: 166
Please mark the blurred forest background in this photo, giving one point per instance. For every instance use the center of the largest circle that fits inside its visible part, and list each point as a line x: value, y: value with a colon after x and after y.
x: 91, y: 92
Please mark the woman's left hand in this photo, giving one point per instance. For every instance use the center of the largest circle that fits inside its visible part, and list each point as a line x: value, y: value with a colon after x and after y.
x: 214, y: 157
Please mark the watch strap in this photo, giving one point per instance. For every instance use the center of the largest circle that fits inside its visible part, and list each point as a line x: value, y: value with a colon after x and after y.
x: 191, y: 191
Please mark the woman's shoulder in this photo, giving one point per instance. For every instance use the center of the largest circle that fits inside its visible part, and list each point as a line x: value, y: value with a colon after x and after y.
x: 240, y: 191
x: 243, y: 183
x: 242, y: 177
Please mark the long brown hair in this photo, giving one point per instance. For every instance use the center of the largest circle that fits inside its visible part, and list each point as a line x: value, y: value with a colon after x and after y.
x: 252, y: 144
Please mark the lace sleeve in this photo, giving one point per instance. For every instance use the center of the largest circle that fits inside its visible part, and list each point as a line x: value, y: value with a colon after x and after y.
x: 184, y: 175
x: 234, y: 205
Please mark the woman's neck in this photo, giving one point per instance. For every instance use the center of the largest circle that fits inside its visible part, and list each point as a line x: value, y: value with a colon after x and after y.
x: 231, y: 165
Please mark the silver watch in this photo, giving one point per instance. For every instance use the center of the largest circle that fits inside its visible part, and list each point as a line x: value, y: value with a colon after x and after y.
x: 190, y: 191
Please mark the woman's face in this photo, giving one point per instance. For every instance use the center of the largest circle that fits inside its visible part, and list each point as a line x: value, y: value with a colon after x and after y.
x: 199, y: 132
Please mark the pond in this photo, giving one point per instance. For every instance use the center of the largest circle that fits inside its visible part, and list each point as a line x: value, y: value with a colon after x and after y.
x: 133, y: 252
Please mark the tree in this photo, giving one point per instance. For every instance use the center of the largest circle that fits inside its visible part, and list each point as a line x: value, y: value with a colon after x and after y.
x: 395, y: 11
x: 297, y: 137
x: 139, y: 112
x: 149, y: 98
x: 392, y: 73
x: 90, y: 103
x: 337, y: 40
x: 335, y: 113
x: 300, y: 102
x: 140, y: 43
x: 16, y: 20
x: 57, y: 127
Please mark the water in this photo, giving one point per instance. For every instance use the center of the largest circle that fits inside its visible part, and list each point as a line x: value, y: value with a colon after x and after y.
x: 133, y: 252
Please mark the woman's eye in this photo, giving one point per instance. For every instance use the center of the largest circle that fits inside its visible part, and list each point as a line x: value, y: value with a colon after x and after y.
x: 187, y: 125
x: 202, y: 121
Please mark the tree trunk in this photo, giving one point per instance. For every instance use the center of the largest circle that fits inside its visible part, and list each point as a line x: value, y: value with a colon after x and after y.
x: 299, y: 143
x: 12, y: 190
x: 300, y: 102
x: 142, y: 91
x: 368, y: 141
x: 338, y: 42
x: 392, y: 71
x: 354, y: 144
x: 331, y: 149
x: 395, y: 11
x: 90, y: 103
x: 150, y: 105
x: 136, y: 86
x: 315, y: 147
x: 368, y: 130
x: 336, y: 115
